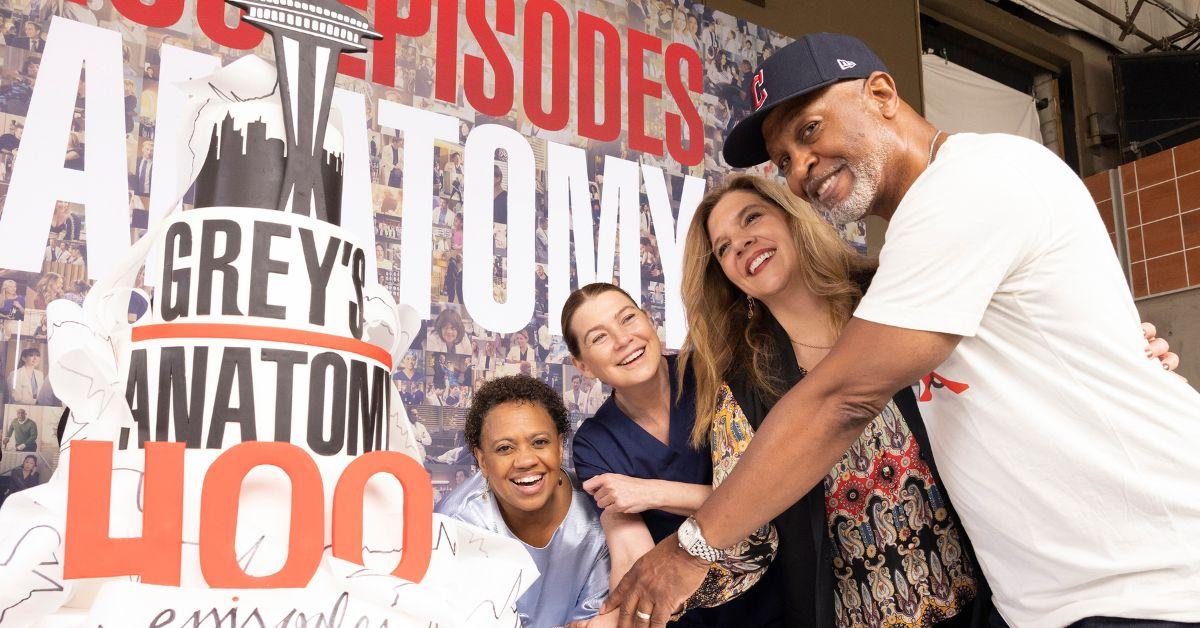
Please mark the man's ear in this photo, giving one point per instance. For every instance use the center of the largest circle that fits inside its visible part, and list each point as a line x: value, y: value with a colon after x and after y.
x: 881, y: 90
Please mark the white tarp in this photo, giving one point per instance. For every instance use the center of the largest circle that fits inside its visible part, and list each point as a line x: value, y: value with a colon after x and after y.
x: 959, y: 100
x: 1151, y: 19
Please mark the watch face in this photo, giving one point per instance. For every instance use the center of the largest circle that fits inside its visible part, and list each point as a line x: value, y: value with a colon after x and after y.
x: 688, y: 532
x: 690, y: 539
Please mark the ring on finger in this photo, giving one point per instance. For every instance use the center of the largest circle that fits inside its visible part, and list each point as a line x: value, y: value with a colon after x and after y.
x: 643, y: 615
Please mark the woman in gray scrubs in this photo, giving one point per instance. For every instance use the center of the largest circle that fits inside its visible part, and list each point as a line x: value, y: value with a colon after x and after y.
x: 516, y: 427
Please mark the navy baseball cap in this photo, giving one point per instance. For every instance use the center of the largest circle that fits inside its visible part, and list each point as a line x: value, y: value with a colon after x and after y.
x: 810, y: 63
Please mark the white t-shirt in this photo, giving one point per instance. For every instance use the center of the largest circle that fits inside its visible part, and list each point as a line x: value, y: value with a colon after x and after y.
x: 1072, y: 459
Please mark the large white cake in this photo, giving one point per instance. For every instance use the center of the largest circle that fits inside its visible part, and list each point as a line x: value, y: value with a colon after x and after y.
x: 263, y: 328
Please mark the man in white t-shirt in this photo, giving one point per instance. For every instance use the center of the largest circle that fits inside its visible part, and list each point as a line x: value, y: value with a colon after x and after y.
x: 1070, y: 458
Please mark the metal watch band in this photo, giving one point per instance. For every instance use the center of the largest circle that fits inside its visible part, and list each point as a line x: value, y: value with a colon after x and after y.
x: 693, y: 542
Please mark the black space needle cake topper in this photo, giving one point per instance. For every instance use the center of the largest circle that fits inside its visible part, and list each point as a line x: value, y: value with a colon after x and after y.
x: 309, y: 37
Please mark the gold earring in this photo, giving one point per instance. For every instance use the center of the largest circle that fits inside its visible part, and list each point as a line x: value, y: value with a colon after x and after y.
x: 749, y: 307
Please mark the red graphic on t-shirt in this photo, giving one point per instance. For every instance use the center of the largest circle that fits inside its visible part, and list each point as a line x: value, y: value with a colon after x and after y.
x: 933, y: 380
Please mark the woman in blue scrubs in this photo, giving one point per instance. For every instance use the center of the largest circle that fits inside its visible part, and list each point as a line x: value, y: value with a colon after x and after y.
x: 633, y: 455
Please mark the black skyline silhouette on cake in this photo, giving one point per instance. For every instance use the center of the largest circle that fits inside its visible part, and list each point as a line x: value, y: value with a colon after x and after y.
x: 246, y: 169
x: 308, y: 38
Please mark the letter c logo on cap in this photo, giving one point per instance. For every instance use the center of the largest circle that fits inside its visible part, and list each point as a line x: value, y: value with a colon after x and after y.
x: 758, y: 90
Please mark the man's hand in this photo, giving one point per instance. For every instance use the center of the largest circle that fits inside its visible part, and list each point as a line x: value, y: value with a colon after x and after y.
x: 657, y: 585
x: 622, y: 493
x: 1158, y: 348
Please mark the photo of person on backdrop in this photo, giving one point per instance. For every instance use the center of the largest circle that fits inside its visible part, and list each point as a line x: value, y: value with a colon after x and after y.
x: 15, y: 95
x: 521, y: 351
x: 25, y: 476
x: 27, y: 380
x: 453, y: 284
x: 499, y: 197
x: 422, y: 436
x: 410, y: 368
x: 75, y: 152
x: 66, y: 225
x: 576, y: 397
x: 8, y: 148
x: 48, y: 288
x: 448, y: 333
x: 21, y: 434
x: 79, y: 291
x: 467, y: 376
x: 74, y: 255
x: 1007, y: 304
x: 418, y: 393
x: 460, y: 476
x: 12, y: 303
x: 143, y: 169
x: 452, y: 177
x: 517, y: 429
x: 593, y: 395
x: 486, y: 353
x: 30, y: 39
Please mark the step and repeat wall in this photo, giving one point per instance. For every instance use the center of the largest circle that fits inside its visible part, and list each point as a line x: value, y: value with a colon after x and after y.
x: 572, y: 119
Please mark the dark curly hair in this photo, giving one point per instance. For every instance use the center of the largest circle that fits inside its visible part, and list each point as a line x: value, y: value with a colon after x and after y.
x: 510, y: 389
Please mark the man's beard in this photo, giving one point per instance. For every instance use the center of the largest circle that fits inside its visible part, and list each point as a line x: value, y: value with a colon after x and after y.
x: 867, y: 173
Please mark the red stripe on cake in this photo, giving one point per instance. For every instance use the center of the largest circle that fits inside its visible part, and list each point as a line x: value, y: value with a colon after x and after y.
x: 227, y: 331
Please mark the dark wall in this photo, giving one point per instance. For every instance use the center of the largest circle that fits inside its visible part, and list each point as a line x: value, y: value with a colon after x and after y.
x: 1177, y: 318
x: 890, y: 28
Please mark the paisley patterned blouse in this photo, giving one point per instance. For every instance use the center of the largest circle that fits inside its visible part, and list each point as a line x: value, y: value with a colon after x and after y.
x: 898, y: 558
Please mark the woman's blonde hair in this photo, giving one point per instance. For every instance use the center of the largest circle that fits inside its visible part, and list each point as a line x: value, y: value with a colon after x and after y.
x: 721, y: 332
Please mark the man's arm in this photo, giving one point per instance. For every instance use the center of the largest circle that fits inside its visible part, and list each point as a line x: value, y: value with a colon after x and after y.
x: 812, y: 425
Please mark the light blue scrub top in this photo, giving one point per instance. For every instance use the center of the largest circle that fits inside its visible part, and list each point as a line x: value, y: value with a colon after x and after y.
x: 574, y: 565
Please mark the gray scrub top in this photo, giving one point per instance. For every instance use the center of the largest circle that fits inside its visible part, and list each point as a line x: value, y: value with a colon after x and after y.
x: 574, y: 565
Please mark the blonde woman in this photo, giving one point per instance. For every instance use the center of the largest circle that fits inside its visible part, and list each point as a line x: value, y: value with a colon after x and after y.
x: 12, y: 304
x: 768, y: 286
x: 48, y: 288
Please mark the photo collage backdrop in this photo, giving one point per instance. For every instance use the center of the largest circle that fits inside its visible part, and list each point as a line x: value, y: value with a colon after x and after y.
x: 453, y: 356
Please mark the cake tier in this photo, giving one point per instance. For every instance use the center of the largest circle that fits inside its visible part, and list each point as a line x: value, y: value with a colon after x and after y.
x: 261, y: 267
x: 255, y: 333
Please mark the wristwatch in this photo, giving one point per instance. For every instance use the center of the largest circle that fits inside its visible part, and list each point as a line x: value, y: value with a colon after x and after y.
x: 692, y: 542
